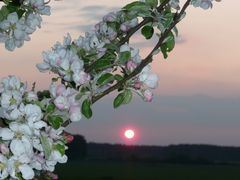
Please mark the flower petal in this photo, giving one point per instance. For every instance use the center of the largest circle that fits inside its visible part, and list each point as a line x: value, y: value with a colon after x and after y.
x: 6, y: 134
x: 27, y: 171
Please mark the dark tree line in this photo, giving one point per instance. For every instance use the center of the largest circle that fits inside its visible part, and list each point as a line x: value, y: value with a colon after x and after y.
x: 200, y: 154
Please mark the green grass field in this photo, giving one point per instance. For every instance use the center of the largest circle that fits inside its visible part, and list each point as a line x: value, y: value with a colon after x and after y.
x: 146, y: 171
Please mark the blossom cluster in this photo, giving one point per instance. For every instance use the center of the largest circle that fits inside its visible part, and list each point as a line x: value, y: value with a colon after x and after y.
x: 71, y: 59
x: 31, y: 137
x: 204, y: 4
x: 146, y: 80
x: 20, y: 24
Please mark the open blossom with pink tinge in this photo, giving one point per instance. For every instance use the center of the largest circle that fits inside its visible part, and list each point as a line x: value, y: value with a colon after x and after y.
x: 64, y: 100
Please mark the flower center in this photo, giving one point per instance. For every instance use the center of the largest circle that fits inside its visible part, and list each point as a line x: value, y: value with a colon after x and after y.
x: 13, y: 26
x: 18, y: 135
x: 13, y: 101
x: 17, y: 164
x: 2, y: 166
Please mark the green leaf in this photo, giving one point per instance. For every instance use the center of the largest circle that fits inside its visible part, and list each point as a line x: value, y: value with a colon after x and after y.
x: 114, y: 25
x: 111, y: 46
x: 101, y: 64
x: 46, y: 145
x: 60, y: 148
x: 105, y: 61
x: 3, y: 13
x: 79, y: 96
x: 55, y: 121
x: 118, y: 100
x: 43, y: 94
x: 168, y: 19
x: 138, y: 7
x: 118, y: 77
x: 122, y: 98
x: 152, y: 3
x: 19, y: 176
x: 38, y: 103
x: 12, y: 7
x: 86, y: 108
x: 105, y: 79
x: 134, y: 5
x: 147, y: 32
x: 164, y: 51
x: 50, y: 108
x: 124, y: 56
x: 127, y: 96
x: 168, y: 45
x: 81, y: 52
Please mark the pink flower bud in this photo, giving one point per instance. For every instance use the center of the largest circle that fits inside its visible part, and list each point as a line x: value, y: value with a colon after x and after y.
x: 137, y: 85
x: 131, y: 65
x: 69, y: 138
x: 124, y: 28
x: 60, y: 90
x: 148, y: 95
x: 4, y: 149
x: 81, y: 77
x: 110, y: 17
x: 52, y: 175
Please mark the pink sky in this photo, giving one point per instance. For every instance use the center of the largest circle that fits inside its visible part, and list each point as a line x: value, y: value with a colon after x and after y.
x: 205, y: 62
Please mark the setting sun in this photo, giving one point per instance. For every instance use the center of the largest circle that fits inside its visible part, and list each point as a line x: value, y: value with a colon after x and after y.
x: 129, y: 134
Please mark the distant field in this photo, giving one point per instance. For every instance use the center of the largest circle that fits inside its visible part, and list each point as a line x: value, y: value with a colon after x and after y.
x: 146, y: 171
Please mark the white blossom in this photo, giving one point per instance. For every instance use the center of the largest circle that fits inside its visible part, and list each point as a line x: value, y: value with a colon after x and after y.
x: 33, y: 115
x: 148, y: 95
x: 148, y: 78
x: 21, y: 142
x: 135, y: 57
x: 204, y: 4
x: 110, y: 17
x: 126, y: 26
x: 3, y: 167
x: 174, y: 4
x: 20, y: 164
x: 31, y: 96
x: 39, y: 6
x: 75, y: 114
x: 15, y: 29
x: 104, y: 30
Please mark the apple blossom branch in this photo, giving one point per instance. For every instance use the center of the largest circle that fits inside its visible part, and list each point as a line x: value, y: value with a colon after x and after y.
x: 144, y: 22
x: 144, y: 62
x: 132, y: 32
x: 148, y: 59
